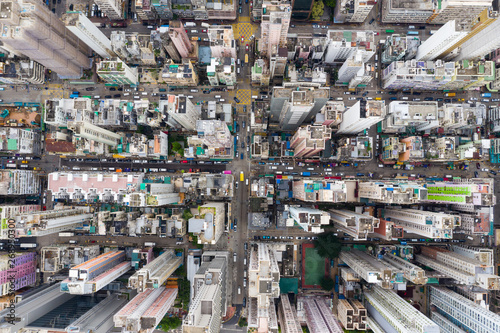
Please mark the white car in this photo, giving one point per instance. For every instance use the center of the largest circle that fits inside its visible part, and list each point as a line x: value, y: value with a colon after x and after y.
x: 352, y: 98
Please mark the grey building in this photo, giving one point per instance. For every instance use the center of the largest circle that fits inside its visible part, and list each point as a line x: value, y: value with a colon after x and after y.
x: 296, y: 103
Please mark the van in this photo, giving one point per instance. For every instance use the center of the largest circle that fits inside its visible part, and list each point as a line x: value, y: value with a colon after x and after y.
x: 222, y: 100
x: 405, y: 98
x: 150, y: 27
x: 246, y: 183
x: 470, y: 238
x: 376, y: 57
x: 194, y: 31
x: 97, y: 96
x: 136, y: 97
x: 339, y: 99
x: 144, y: 93
x: 194, y: 90
x: 411, y: 27
x: 126, y: 94
x: 245, y: 261
x: 72, y: 241
x: 238, y: 61
x: 217, y: 96
x: 239, y: 290
x: 76, y: 168
x: 378, y: 98
x: 238, y: 70
x: 244, y: 283
x: 234, y: 256
x: 245, y: 274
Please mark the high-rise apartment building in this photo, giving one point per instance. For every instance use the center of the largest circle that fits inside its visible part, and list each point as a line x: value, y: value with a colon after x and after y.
x: 352, y: 314
x: 154, y: 274
x: 392, y: 192
x: 353, y: 11
x: 402, y: 114
x: 179, y: 75
x: 181, y: 110
x: 310, y: 140
x: 361, y: 116
x: 433, y: 12
x: 319, y: 316
x: 180, y: 38
x: 447, y: 36
x: 356, y: 225
x: 343, y: 43
x: 287, y: 316
x: 98, y: 134
x: 465, y: 12
x: 222, y: 71
x: 17, y: 270
x: 438, y: 75
x: 424, y: 223
x: 10, y: 211
x: 94, y: 274
x: 48, y: 222
x: 398, y: 47
x: 22, y: 71
x: 209, y: 296
x: 394, y: 314
x: 83, y: 28
x: 145, y: 311
x: 112, y: 8
x: 117, y: 72
x: 296, y: 103
x: 222, y: 42
x: 464, y: 194
x: 482, y: 43
x: 19, y: 182
x: 274, y: 26
x: 460, y: 313
x: 144, y: 10
x: 462, y: 268
x: 208, y: 225
x: 309, y: 219
x: 163, y: 9
x: 372, y: 270
x: 30, y: 28
x: 320, y: 190
x: 351, y: 67
x: 263, y: 270
x: 59, y: 257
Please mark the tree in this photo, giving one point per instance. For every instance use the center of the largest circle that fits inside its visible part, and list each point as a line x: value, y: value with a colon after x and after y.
x: 327, y: 283
x: 317, y: 10
x: 170, y: 323
x: 186, y: 214
x: 328, y: 245
x: 242, y: 322
x: 330, y: 3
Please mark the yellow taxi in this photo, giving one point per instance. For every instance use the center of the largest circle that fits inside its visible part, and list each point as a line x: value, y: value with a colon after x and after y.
x: 24, y: 162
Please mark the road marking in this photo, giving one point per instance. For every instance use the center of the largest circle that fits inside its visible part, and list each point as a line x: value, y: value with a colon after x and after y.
x: 244, y: 95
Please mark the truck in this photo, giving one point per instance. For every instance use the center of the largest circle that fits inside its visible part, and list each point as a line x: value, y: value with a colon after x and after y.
x: 149, y: 244
x: 189, y: 24
x: 307, y: 174
x: 451, y: 94
x: 66, y: 234
x: 487, y: 95
x: 27, y: 245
